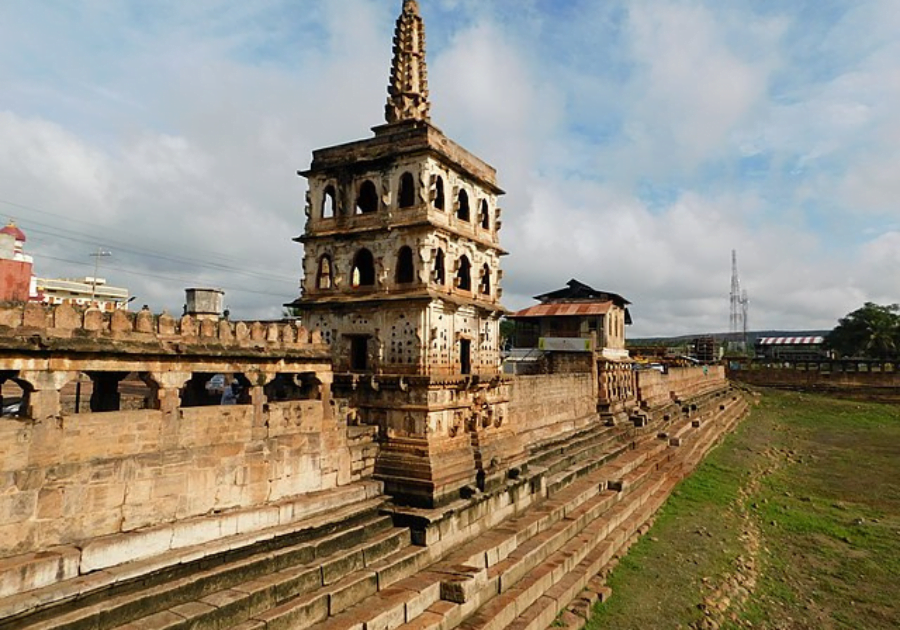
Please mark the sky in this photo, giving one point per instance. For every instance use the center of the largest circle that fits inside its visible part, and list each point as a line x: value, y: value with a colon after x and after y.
x: 639, y: 143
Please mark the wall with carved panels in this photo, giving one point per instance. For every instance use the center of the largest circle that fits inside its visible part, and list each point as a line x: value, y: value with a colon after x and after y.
x: 447, y: 324
x: 385, y: 249
x: 426, y: 172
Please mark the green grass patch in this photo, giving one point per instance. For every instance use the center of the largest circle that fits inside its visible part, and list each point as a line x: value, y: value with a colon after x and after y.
x: 826, y: 506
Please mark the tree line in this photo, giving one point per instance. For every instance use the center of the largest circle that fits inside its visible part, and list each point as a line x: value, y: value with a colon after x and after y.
x: 871, y: 332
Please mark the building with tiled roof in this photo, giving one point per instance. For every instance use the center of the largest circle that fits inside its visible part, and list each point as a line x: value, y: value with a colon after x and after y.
x: 576, y: 318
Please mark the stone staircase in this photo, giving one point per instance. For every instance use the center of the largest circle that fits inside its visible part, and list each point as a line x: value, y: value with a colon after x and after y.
x: 226, y: 588
x: 524, y: 572
x: 578, y: 504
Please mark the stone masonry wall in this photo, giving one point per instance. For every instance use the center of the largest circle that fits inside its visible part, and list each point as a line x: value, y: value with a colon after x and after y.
x: 90, y: 475
x: 881, y: 386
x: 545, y: 406
x: 656, y: 389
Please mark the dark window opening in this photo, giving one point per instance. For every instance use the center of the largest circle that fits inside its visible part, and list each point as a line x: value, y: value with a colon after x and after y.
x: 324, y: 274
x: 439, y: 201
x: 363, y: 269
x: 464, y: 275
x: 485, y: 287
x: 407, y: 191
x: 96, y: 392
x: 462, y: 206
x: 292, y: 387
x: 367, y: 201
x: 14, y: 395
x: 204, y: 390
x: 329, y: 203
x: 439, y: 274
x: 406, y: 271
x: 485, y: 215
x: 359, y: 353
x: 465, y: 356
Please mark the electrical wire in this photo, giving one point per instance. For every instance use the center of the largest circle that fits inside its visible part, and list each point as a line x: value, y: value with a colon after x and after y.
x: 185, y: 281
x: 83, y: 237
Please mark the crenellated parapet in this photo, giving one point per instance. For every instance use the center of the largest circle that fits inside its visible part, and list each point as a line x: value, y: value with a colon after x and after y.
x: 62, y: 327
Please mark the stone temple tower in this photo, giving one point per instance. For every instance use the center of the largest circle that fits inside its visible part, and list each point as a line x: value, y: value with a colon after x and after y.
x: 401, y: 275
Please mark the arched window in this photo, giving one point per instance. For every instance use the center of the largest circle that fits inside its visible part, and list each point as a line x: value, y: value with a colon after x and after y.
x: 329, y: 203
x: 324, y: 274
x: 485, y: 285
x: 485, y: 217
x: 363, y: 269
x: 407, y: 194
x: 367, y: 201
x: 438, y: 274
x: 462, y: 206
x: 439, y: 199
x: 464, y: 275
x: 406, y: 271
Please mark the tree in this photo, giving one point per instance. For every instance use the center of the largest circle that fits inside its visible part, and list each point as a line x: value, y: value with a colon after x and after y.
x: 872, y: 331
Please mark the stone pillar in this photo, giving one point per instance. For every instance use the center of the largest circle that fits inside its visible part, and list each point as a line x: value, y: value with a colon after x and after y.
x: 168, y: 401
x: 326, y: 378
x: 258, y: 400
x: 258, y: 381
x: 43, y: 399
x: 166, y: 386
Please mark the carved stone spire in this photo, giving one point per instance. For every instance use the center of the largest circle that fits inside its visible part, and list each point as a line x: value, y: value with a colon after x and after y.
x: 408, y: 88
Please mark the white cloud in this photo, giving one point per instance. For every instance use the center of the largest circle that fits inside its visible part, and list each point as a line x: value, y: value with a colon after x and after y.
x: 42, y: 162
x: 690, y: 88
x: 179, y: 129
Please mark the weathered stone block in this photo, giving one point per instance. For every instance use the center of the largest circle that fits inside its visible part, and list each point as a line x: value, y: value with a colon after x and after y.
x: 113, y: 550
x: 336, y: 569
x: 24, y: 573
x: 298, y: 614
x: 462, y: 583
x: 350, y: 591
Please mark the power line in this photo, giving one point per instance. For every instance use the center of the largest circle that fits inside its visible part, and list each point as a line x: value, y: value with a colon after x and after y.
x: 185, y: 281
x: 90, y: 224
x: 131, y: 248
x: 166, y: 257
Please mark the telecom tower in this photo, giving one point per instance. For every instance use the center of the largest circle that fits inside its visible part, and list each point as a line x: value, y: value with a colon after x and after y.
x: 739, y: 306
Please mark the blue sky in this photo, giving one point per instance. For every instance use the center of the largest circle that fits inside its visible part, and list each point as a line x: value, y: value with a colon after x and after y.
x: 639, y: 142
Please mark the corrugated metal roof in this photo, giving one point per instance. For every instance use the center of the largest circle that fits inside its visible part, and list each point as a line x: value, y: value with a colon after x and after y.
x: 570, y: 309
x: 790, y: 341
x: 576, y: 290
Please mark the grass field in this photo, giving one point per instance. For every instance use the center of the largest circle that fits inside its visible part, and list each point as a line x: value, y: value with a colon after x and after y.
x: 794, y: 522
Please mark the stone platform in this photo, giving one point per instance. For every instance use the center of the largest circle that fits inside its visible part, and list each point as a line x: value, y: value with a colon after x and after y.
x: 513, y: 556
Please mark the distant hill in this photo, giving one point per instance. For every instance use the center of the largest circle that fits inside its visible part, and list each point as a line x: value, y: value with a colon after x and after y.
x: 752, y: 336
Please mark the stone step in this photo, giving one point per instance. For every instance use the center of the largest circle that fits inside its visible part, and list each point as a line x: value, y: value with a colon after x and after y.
x: 582, y: 465
x: 551, y: 569
x: 543, y: 610
x: 294, y: 597
x: 545, y: 555
x: 647, y: 478
x: 373, y: 607
x: 586, y: 442
x: 560, y: 444
x: 463, y: 575
x: 579, y: 528
x: 35, y: 581
x: 310, y: 562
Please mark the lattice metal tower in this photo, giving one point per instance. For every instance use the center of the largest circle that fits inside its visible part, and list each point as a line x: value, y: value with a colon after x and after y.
x: 739, y: 306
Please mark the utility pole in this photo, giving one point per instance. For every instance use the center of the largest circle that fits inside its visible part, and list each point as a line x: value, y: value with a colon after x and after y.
x: 100, y: 253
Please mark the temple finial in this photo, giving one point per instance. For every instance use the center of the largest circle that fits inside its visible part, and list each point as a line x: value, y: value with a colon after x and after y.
x: 408, y: 88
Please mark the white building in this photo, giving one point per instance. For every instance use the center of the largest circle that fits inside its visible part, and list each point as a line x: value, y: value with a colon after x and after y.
x: 82, y: 292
